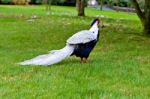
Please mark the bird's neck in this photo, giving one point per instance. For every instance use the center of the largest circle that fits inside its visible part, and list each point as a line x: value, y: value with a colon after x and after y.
x: 94, y: 27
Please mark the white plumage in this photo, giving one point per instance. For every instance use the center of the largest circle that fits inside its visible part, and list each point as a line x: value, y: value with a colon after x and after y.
x: 84, y: 36
x: 56, y: 56
x: 81, y: 37
x: 51, y: 58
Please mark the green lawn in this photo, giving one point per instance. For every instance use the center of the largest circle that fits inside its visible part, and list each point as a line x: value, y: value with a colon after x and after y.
x: 119, y: 65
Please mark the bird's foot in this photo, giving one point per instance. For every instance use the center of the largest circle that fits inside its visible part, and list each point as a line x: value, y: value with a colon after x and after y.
x: 84, y: 61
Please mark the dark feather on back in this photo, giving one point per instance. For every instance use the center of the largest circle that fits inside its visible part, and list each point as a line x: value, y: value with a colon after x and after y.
x: 83, y: 50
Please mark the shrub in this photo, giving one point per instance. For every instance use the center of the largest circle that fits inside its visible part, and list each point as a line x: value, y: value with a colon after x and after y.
x: 21, y: 2
x: 6, y: 1
x: 36, y: 1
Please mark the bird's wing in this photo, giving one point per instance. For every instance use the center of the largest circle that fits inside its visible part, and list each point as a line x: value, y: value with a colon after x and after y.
x: 81, y: 37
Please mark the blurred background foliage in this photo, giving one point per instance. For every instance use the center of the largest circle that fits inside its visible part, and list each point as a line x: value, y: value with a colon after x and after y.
x: 121, y: 3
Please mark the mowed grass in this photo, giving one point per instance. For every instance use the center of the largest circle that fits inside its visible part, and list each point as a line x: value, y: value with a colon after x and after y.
x: 118, y: 68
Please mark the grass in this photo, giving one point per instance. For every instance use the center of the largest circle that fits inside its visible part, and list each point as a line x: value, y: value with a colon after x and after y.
x: 119, y: 66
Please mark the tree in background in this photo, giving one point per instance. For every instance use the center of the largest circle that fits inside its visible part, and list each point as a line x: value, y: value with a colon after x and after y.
x: 80, y: 7
x: 48, y: 5
x: 120, y: 3
x: 101, y: 3
x: 144, y: 15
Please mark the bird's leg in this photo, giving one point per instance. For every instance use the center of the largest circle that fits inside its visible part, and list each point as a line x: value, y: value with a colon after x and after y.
x: 85, y: 60
x: 81, y: 61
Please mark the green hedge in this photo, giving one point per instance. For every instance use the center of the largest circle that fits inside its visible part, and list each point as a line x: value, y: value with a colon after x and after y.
x: 54, y: 2
x: 6, y: 1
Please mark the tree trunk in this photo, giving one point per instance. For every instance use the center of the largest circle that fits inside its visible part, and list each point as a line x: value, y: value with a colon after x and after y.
x: 101, y: 5
x: 48, y: 5
x: 144, y: 15
x: 80, y: 7
x: 118, y: 1
x: 147, y: 17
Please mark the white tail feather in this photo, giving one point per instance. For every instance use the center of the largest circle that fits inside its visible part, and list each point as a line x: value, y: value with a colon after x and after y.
x: 52, y: 57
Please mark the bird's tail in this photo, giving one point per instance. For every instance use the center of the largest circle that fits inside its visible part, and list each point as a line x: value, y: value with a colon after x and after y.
x: 54, y: 56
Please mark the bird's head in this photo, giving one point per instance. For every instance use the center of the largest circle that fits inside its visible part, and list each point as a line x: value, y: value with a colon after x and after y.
x: 95, y: 27
x: 95, y: 22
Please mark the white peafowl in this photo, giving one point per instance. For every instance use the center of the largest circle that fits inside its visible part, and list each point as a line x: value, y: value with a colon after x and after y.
x: 80, y: 44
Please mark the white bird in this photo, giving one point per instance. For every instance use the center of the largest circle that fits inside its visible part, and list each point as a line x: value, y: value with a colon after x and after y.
x: 80, y: 44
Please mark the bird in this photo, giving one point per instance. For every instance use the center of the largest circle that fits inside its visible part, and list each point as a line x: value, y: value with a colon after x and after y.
x: 80, y: 44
